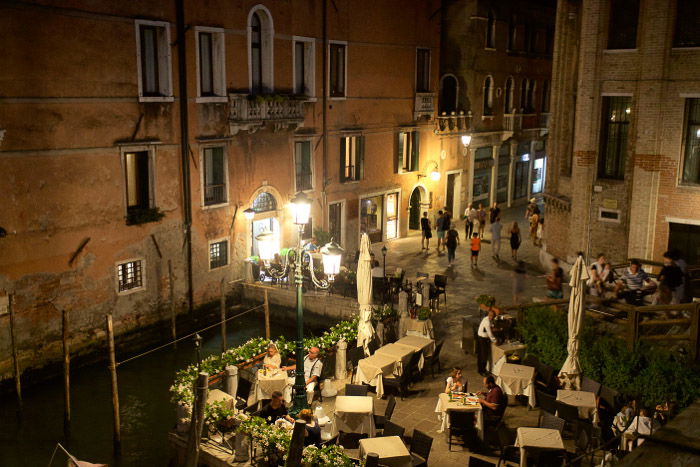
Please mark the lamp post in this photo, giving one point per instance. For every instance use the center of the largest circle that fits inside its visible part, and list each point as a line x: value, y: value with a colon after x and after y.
x: 384, y: 250
x: 331, y: 254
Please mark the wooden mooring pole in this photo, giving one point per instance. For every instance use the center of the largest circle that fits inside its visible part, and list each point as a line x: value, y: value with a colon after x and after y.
x: 200, y: 401
x: 173, y: 313
x: 15, y: 357
x: 115, y: 388
x: 222, y: 306
x: 267, y: 317
x: 66, y: 375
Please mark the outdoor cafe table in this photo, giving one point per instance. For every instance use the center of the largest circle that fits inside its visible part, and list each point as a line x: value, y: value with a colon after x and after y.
x: 355, y: 414
x: 266, y: 384
x: 420, y: 328
x: 537, y: 439
x: 390, y: 449
x: 401, y: 353
x: 419, y: 343
x: 373, y: 369
x: 583, y: 400
x: 444, y: 406
x: 500, y: 353
x: 517, y: 380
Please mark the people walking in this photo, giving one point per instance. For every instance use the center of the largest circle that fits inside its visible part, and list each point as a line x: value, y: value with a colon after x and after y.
x: 495, y: 229
x: 470, y: 217
x: 451, y: 243
x: 426, y: 231
x: 534, y: 222
x: 494, y: 212
x: 475, y: 248
x: 515, y: 241
x: 481, y: 215
x: 439, y: 226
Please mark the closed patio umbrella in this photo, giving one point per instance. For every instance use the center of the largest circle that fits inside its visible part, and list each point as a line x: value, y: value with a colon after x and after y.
x: 570, y: 373
x: 365, y: 331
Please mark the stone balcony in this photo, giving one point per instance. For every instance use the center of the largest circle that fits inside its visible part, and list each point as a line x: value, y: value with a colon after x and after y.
x: 250, y: 113
x: 455, y: 122
x: 424, y: 105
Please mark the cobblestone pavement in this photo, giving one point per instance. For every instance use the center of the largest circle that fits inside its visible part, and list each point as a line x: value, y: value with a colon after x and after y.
x: 492, y: 277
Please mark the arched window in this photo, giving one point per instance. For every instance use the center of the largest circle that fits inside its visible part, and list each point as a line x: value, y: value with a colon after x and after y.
x: 488, y: 96
x: 508, y: 97
x: 448, y: 94
x: 523, y: 94
x: 260, y: 40
x: 491, y: 31
x: 264, y: 202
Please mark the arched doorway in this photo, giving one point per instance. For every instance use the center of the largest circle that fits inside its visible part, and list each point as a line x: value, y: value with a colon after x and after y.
x: 414, y: 206
x: 264, y: 220
x: 448, y: 94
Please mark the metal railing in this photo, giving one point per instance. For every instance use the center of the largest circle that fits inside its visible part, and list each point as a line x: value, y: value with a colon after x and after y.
x: 214, y: 194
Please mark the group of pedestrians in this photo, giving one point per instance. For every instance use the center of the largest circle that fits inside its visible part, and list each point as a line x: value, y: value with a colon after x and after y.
x: 475, y: 226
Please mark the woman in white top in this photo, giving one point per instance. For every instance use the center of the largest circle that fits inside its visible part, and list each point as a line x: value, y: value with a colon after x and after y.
x: 642, y: 425
x: 456, y: 382
x: 272, y: 360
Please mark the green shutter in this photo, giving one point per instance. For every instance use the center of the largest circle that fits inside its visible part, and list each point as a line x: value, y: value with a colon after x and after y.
x: 399, y: 152
x: 360, y: 158
x: 415, y: 150
x: 341, y: 177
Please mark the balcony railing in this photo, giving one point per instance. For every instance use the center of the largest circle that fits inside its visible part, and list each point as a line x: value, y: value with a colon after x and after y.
x: 214, y: 194
x: 424, y: 105
x: 544, y: 120
x: 453, y: 123
x: 252, y: 112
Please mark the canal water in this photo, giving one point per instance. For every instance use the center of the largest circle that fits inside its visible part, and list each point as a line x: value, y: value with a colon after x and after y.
x: 146, y: 412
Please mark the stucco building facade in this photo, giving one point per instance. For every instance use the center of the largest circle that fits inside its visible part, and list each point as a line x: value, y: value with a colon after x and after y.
x: 136, y: 134
x: 623, y: 175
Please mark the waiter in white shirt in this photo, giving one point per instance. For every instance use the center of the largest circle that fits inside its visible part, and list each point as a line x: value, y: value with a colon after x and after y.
x: 484, y: 337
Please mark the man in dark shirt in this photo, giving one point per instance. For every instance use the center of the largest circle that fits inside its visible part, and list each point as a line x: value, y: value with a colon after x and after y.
x: 495, y: 402
x: 554, y: 281
x: 275, y: 409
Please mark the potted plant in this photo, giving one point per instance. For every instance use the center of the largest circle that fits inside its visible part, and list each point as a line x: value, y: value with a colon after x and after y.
x: 488, y: 303
x: 424, y: 314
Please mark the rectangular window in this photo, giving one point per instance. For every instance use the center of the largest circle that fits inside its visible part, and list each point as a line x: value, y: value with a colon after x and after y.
x: 622, y: 26
x: 338, y: 62
x: 130, y: 275
x: 335, y: 221
x: 691, y: 147
x: 302, y: 159
x: 138, y: 181
x: 407, y: 151
x: 304, y: 67
x: 210, y: 64
x: 351, y: 158
x: 218, y: 254
x: 392, y: 221
x: 613, y: 136
x: 153, y: 50
x: 214, y: 169
x: 687, y: 33
x: 422, y: 70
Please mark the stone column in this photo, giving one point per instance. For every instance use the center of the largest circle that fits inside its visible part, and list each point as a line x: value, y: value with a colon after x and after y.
x: 231, y: 385
x: 511, y: 172
x: 341, y: 353
x: 493, y: 189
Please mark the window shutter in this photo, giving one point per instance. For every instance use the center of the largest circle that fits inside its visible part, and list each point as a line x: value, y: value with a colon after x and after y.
x: 342, y: 160
x: 415, y: 150
x: 398, y: 160
x: 360, y: 171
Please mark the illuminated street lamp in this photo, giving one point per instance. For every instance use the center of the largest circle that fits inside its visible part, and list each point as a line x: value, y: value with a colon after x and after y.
x: 301, y: 209
x: 466, y: 140
x: 331, y: 254
x: 249, y: 214
x: 266, y: 245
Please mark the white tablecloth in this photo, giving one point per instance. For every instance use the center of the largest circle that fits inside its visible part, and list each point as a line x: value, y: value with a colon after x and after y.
x: 265, y: 385
x: 401, y: 353
x: 420, y: 328
x: 537, y: 438
x: 583, y: 400
x: 373, y: 369
x: 444, y: 406
x: 517, y: 380
x: 500, y: 353
x: 355, y: 414
x: 391, y: 450
x: 419, y: 343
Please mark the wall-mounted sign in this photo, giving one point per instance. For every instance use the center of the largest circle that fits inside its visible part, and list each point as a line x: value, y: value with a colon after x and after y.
x: 610, y: 203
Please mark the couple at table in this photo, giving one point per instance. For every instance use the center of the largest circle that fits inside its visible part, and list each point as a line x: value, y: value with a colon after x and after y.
x: 494, y: 402
x: 312, y: 366
x: 276, y: 412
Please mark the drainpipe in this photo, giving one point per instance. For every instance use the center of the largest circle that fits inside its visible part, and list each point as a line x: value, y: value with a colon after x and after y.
x: 324, y: 101
x: 184, y: 144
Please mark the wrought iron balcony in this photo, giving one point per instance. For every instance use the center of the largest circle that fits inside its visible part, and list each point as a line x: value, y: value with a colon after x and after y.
x: 453, y: 123
x: 424, y: 105
x: 253, y: 112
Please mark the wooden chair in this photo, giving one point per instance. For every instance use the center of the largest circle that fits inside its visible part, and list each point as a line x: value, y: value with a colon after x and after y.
x: 356, y: 389
x: 440, y: 283
x: 420, y: 448
x: 372, y: 460
x: 373, y: 345
x: 414, y: 373
x: 590, y: 385
x: 400, y: 384
x: 547, y: 420
x: 434, y: 359
x: 327, y: 372
x: 546, y: 401
x: 354, y: 355
x: 393, y: 429
x: 380, y: 420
